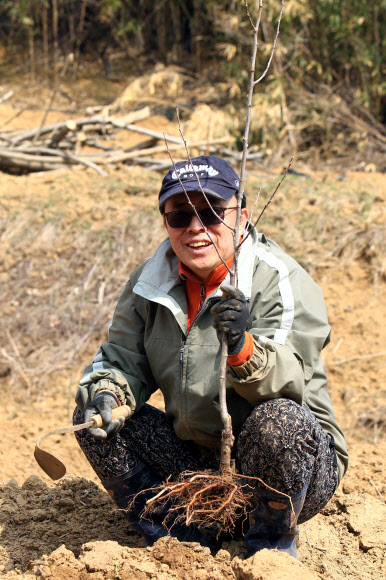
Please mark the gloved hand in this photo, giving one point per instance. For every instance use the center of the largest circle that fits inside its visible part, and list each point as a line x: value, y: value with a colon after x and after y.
x: 231, y: 316
x: 103, y: 403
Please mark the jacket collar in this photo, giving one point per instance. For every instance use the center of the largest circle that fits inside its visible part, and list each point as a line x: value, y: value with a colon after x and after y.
x: 160, y: 281
x: 215, y: 279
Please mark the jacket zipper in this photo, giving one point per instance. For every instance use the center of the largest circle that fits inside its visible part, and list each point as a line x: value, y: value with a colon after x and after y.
x: 184, y: 416
x: 182, y: 352
x: 202, y: 299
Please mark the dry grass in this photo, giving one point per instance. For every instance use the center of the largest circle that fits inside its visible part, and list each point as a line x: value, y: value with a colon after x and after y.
x: 207, y: 122
x: 318, y: 126
x: 65, y: 261
x: 161, y: 85
x: 374, y: 419
x: 369, y: 244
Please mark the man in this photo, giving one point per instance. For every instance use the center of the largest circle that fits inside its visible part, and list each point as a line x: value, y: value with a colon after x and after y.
x: 165, y: 335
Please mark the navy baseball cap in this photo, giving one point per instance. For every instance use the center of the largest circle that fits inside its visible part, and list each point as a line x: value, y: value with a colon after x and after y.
x: 217, y: 178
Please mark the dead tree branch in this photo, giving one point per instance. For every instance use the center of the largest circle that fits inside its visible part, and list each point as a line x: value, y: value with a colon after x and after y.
x: 54, y: 92
x: 269, y: 201
x: 76, y: 142
x: 252, y: 84
x: 273, y: 46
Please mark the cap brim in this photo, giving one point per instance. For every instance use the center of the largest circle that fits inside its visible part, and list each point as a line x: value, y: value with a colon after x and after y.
x: 222, y: 192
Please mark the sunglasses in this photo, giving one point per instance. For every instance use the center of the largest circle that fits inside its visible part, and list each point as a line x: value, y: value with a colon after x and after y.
x: 183, y: 219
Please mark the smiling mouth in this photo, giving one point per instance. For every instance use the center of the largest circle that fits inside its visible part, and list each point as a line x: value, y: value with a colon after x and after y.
x: 198, y: 244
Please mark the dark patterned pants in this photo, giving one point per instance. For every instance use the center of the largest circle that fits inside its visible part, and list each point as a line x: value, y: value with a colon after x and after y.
x: 281, y: 442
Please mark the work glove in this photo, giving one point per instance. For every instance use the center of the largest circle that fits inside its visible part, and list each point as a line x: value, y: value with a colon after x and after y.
x: 231, y: 316
x: 103, y: 403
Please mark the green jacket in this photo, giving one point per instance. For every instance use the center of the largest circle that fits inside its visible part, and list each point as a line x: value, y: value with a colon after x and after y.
x: 149, y: 347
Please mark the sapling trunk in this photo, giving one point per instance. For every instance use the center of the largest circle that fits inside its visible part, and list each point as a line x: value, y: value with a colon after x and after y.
x: 227, y: 438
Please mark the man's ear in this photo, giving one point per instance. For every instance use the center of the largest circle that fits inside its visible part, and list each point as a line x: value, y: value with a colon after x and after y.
x: 243, y: 218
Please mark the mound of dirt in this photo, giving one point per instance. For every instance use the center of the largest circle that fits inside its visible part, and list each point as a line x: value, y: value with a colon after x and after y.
x: 73, y: 530
x: 268, y: 565
x: 36, y: 519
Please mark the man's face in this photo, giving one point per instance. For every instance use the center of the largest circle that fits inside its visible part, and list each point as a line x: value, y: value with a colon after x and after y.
x: 192, y: 245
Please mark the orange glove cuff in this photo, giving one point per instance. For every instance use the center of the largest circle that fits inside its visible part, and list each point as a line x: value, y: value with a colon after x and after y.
x: 245, y: 353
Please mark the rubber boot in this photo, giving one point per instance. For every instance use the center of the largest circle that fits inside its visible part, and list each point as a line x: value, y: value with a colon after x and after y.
x: 124, y: 488
x: 273, y: 522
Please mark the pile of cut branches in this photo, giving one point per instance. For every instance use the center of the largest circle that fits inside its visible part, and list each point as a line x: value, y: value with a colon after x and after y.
x: 83, y: 142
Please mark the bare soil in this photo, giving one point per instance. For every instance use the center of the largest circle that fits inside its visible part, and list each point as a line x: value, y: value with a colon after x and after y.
x: 68, y: 241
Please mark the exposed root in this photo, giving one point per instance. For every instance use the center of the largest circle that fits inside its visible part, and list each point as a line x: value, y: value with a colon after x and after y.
x: 208, y: 500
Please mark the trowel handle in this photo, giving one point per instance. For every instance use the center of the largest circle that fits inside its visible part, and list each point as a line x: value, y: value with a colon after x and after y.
x: 123, y: 411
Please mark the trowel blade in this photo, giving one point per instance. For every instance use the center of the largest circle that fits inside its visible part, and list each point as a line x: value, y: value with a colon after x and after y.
x: 50, y: 464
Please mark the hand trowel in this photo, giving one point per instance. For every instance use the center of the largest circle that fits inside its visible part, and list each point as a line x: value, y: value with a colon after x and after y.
x: 50, y: 464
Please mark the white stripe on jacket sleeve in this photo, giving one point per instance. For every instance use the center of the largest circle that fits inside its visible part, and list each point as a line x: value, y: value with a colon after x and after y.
x: 285, y: 290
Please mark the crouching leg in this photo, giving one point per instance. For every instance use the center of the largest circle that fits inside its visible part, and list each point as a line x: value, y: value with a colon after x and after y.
x: 135, y: 461
x: 283, y: 444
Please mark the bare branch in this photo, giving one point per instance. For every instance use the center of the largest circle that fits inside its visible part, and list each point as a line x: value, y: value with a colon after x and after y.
x: 56, y: 88
x: 252, y: 84
x: 227, y: 438
x: 259, y: 13
x: 248, y: 14
x: 273, y: 46
x: 269, y: 201
x: 361, y: 357
x: 23, y: 370
x: 236, y: 237
x: 255, y: 204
